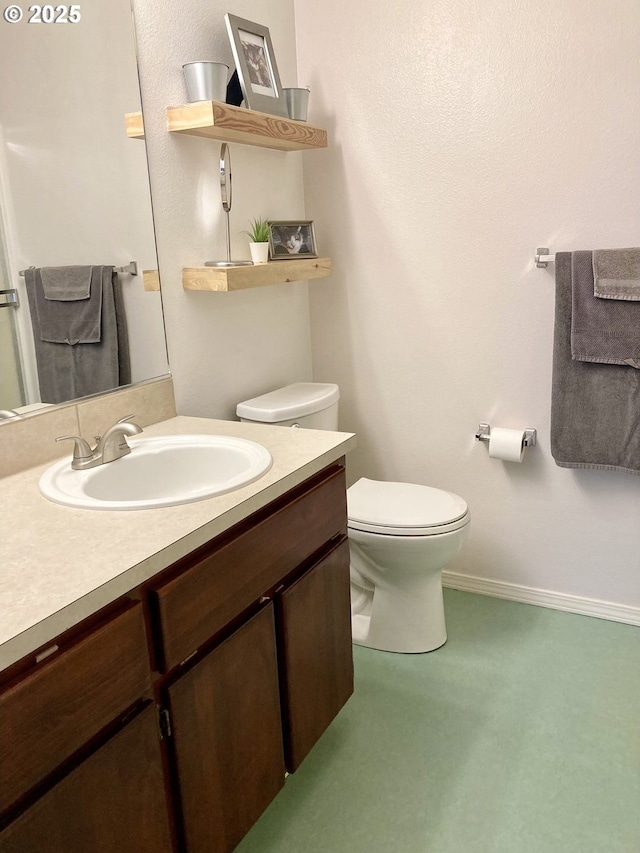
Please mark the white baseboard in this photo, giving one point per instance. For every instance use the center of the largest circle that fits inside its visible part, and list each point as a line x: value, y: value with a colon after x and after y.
x: 543, y: 598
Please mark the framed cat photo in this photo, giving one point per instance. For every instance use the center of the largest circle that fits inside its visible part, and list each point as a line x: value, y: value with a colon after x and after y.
x: 292, y: 239
x: 256, y: 66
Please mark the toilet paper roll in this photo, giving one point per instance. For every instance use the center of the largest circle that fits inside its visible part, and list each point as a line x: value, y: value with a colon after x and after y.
x: 507, y: 444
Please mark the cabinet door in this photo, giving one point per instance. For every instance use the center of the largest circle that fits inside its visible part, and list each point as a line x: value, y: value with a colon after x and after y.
x: 114, y: 802
x: 225, y: 719
x: 314, y: 629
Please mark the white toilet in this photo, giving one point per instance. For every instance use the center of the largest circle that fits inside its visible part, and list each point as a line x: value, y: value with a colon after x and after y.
x: 401, y: 535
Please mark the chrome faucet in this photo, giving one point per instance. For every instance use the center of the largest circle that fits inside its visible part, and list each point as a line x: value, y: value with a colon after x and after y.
x: 112, y: 445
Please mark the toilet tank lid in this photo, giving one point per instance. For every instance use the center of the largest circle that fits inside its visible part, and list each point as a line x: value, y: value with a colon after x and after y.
x: 292, y: 401
x: 402, y: 505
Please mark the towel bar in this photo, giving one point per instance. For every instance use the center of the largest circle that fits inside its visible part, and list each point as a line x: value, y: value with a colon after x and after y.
x: 129, y: 269
x: 9, y: 298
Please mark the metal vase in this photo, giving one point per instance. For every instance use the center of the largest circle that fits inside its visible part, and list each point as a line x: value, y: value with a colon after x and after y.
x: 297, y: 101
x: 206, y: 81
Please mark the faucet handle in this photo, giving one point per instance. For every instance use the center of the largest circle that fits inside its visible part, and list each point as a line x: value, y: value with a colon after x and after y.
x: 81, y: 449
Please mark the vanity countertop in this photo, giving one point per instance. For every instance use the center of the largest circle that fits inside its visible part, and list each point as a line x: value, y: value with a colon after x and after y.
x: 60, y: 565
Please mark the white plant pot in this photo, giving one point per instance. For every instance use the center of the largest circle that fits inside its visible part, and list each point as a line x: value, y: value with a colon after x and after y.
x: 259, y: 252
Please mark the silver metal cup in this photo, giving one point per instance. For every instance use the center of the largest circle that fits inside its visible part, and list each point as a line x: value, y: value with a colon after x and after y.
x: 206, y: 81
x: 297, y: 101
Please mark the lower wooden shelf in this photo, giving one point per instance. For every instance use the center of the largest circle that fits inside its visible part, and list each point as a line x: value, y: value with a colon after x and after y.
x: 151, y: 279
x: 134, y: 125
x: 223, y: 279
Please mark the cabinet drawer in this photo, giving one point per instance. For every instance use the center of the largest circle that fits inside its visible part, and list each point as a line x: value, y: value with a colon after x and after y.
x: 207, y: 596
x: 56, y: 709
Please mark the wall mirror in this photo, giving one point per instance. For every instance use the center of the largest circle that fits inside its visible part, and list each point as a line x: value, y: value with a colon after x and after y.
x: 74, y: 191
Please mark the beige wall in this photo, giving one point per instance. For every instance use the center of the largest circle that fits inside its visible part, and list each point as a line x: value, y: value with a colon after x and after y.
x: 223, y: 347
x: 463, y: 135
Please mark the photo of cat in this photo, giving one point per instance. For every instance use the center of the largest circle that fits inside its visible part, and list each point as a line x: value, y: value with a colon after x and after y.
x: 256, y: 60
x: 292, y: 240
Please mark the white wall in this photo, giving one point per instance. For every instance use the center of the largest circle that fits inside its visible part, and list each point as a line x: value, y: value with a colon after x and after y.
x: 75, y: 190
x: 462, y: 136
x: 223, y: 347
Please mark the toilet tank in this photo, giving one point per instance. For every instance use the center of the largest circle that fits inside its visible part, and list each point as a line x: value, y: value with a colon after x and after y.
x: 312, y: 405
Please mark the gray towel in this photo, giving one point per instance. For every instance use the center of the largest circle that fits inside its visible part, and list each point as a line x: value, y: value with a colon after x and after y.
x: 68, y: 321
x: 122, y: 332
x: 602, y: 330
x: 616, y: 274
x: 67, y: 372
x: 595, y: 408
x: 66, y: 284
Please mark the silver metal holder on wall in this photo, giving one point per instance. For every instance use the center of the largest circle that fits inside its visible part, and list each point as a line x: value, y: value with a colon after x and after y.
x: 9, y: 298
x: 484, y: 434
x: 543, y: 257
x: 129, y: 269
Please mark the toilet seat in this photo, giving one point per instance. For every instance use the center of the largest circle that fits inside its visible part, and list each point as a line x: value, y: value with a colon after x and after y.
x: 404, y: 509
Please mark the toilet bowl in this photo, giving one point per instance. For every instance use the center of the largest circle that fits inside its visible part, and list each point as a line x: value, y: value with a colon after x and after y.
x: 401, y: 535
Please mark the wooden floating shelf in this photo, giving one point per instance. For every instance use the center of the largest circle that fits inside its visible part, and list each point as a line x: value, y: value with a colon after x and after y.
x: 224, y: 279
x: 150, y: 280
x: 215, y: 120
x: 134, y: 125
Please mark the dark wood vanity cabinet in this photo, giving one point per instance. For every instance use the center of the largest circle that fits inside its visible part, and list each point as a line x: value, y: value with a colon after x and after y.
x: 168, y: 724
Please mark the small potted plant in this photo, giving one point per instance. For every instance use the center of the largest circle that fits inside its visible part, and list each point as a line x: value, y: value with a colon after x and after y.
x: 259, y: 241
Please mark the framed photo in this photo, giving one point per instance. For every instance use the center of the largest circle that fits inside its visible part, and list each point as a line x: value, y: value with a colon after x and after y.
x: 291, y: 239
x: 256, y: 66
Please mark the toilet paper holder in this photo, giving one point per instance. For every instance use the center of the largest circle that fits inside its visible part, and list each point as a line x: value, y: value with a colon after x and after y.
x: 483, y: 433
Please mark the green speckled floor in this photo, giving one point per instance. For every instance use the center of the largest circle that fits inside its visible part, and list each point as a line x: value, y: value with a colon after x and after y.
x: 520, y: 735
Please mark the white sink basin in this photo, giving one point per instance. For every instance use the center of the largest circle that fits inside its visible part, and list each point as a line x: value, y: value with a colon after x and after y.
x: 162, y: 471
